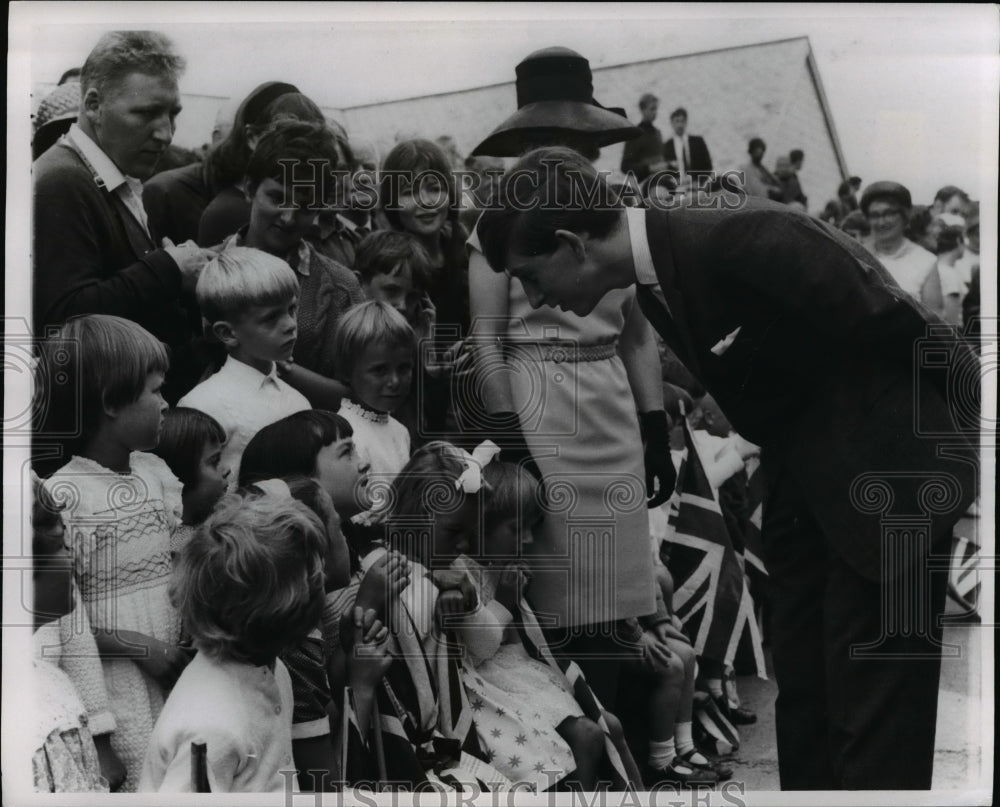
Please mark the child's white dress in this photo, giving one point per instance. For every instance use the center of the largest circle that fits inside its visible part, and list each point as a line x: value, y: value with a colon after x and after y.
x: 516, y: 700
x: 64, y: 759
x: 119, y: 528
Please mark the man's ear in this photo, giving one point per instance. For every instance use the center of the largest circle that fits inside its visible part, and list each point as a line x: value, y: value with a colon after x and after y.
x: 91, y: 105
x: 576, y: 242
x: 225, y: 333
x: 249, y: 190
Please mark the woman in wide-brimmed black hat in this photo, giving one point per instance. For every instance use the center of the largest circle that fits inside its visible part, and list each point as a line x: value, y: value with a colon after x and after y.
x: 561, y: 394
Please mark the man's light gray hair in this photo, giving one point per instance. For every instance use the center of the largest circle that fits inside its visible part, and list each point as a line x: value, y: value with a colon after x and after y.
x: 118, y: 54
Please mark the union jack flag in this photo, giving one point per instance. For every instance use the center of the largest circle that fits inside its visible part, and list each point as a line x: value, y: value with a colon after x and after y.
x: 710, y: 596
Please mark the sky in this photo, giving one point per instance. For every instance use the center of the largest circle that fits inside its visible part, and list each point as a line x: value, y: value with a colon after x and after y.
x: 913, y: 88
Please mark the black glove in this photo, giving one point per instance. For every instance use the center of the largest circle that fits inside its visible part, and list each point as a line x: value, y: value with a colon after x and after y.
x: 655, y: 431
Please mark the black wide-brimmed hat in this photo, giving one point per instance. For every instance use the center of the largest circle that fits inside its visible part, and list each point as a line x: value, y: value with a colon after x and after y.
x: 555, y: 104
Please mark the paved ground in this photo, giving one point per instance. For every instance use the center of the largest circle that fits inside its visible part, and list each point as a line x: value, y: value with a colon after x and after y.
x: 965, y: 719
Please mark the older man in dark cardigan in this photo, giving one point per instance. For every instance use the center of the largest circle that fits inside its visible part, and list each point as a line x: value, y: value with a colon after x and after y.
x: 93, y: 253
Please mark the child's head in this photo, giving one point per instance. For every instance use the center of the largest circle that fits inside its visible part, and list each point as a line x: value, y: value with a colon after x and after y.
x: 949, y: 242
x: 394, y: 268
x: 511, y: 510
x: 308, y: 491
x: 417, y: 188
x: 116, y: 368
x: 191, y: 444
x: 856, y: 225
x: 430, y: 489
x: 248, y: 301
x: 250, y: 582
x: 373, y: 351
x: 288, y: 178
x: 52, y: 562
x: 316, y: 444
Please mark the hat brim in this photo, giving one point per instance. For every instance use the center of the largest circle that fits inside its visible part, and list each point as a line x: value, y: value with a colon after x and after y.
x: 555, y: 121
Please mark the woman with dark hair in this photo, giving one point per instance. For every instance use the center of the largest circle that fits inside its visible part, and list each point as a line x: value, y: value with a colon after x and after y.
x: 175, y: 200
x: 230, y: 209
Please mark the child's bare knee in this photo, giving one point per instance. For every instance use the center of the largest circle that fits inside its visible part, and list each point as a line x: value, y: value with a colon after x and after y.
x: 581, y: 732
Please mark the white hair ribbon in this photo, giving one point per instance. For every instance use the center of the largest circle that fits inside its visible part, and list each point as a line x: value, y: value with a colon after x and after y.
x: 471, y: 479
x: 274, y: 487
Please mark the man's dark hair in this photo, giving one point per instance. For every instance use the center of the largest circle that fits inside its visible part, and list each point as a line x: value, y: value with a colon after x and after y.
x: 296, y: 150
x: 547, y: 189
x: 796, y: 155
x: 119, y: 54
x: 680, y: 112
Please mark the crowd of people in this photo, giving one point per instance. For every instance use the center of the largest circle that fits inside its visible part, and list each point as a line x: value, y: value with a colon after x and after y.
x: 344, y: 485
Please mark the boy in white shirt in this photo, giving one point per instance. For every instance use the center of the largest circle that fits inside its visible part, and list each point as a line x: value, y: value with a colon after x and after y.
x: 248, y: 301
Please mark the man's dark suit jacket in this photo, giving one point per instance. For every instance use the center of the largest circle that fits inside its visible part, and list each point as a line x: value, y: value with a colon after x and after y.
x: 642, y: 151
x: 822, y: 371
x: 701, y: 161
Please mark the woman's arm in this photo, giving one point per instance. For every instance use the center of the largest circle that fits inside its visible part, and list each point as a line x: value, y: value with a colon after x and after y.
x: 637, y: 348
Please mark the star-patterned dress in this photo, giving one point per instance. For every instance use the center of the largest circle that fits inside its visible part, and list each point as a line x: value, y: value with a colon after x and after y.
x: 516, y: 701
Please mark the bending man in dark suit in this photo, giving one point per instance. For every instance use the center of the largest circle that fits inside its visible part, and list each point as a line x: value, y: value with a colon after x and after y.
x: 809, y: 347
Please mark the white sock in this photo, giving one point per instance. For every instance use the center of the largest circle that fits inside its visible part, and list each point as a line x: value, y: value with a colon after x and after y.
x: 661, y: 754
x: 682, y: 736
x: 714, y: 687
x: 685, y: 742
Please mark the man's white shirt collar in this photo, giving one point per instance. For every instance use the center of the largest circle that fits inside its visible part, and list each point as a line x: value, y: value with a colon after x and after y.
x: 642, y: 258
x: 107, y: 171
x: 129, y: 189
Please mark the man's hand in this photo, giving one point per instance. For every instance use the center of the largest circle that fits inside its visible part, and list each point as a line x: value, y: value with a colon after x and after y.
x: 190, y: 260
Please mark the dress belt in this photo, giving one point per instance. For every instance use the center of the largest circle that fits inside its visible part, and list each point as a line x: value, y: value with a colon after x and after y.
x: 561, y: 350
